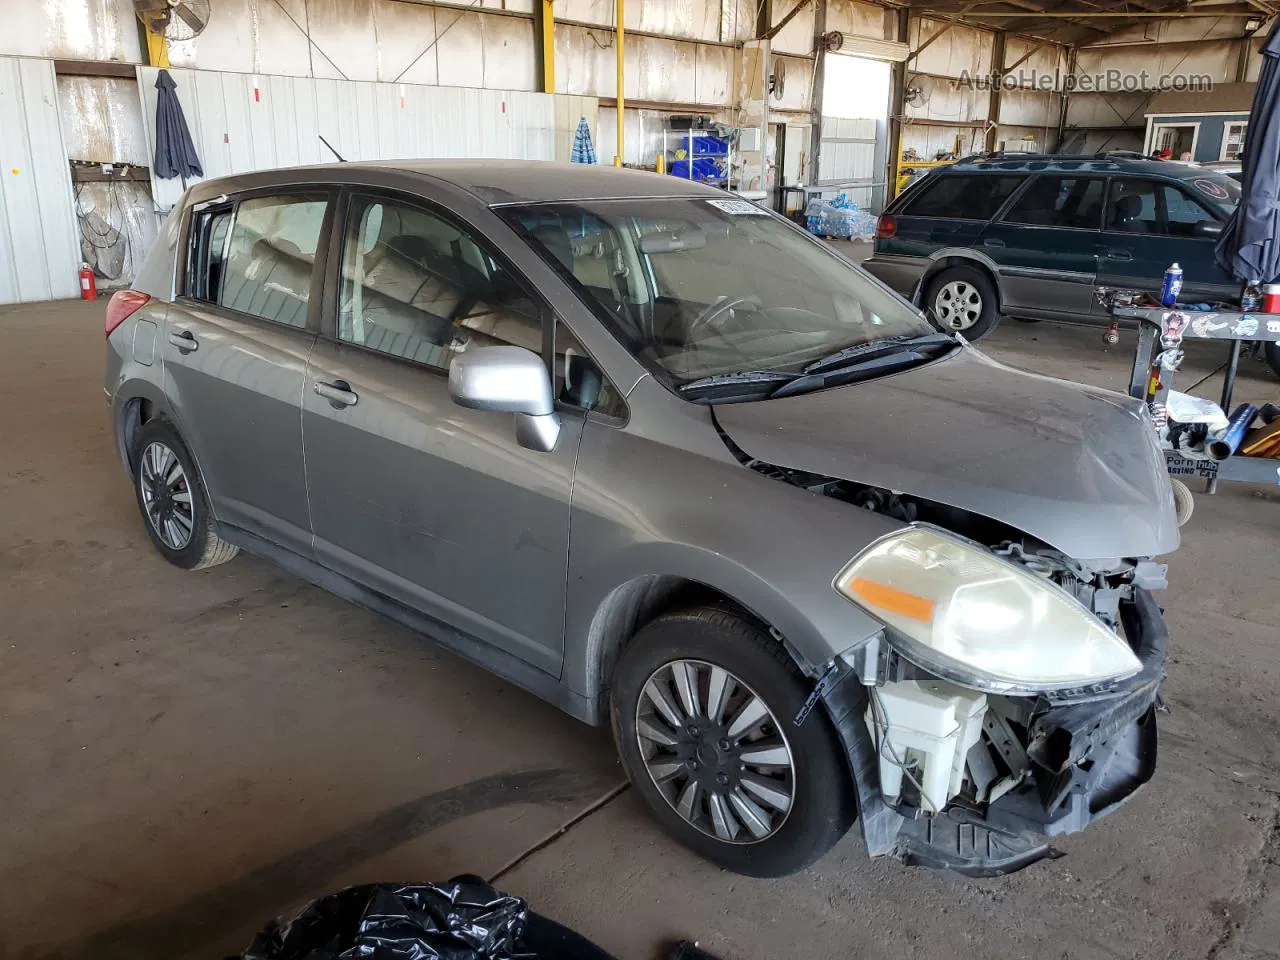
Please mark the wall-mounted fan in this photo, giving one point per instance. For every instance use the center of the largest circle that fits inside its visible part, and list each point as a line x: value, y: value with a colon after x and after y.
x: 173, y: 19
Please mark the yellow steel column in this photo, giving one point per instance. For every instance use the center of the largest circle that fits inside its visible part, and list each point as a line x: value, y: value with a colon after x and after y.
x: 548, y: 30
x: 617, y: 159
x: 157, y: 49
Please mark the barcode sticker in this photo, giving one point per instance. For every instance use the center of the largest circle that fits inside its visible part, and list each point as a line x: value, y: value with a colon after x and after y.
x: 739, y: 208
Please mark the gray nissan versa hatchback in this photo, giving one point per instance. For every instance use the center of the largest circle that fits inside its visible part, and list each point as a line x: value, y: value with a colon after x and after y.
x: 661, y: 458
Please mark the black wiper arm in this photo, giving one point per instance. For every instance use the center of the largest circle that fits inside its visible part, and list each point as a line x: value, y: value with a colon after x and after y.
x: 850, y: 373
x: 743, y: 385
x: 873, y: 348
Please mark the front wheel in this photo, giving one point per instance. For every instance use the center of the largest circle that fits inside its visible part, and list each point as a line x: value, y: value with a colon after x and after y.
x: 703, y: 706
x: 963, y: 300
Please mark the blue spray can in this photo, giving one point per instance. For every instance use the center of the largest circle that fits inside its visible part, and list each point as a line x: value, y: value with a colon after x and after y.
x: 1172, y: 288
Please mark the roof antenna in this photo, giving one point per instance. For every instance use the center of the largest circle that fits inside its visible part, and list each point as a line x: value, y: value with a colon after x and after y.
x: 341, y: 159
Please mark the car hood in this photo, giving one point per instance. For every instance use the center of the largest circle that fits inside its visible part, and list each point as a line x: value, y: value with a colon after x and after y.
x: 1074, y: 466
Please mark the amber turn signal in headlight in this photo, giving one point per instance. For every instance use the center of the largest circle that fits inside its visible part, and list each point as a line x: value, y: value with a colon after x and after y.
x: 960, y: 611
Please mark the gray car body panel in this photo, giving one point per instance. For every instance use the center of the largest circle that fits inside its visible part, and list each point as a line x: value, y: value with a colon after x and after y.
x: 1078, y: 467
x: 654, y: 495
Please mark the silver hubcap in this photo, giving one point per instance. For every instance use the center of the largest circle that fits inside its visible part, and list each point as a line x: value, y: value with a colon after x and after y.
x: 715, y: 751
x: 166, y: 496
x: 958, y: 305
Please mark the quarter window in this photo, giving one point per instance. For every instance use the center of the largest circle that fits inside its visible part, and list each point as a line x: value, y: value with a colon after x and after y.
x: 579, y: 382
x: 961, y: 197
x: 416, y: 286
x: 1060, y: 202
x: 270, y: 256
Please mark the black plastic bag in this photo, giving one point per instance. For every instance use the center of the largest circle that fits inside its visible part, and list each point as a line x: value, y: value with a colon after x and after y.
x: 464, y: 919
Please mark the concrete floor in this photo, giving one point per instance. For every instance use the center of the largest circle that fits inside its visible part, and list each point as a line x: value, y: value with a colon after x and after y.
x: 186, y: 755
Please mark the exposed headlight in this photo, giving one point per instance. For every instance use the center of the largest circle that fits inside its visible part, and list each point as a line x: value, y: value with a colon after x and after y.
x: 959, y: 611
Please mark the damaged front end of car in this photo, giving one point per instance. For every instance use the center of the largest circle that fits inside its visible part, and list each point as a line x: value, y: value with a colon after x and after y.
x: 970, y: 753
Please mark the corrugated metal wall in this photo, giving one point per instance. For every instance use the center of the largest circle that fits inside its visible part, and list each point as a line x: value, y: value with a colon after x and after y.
x: 236, y: 131
x: 39, y: 241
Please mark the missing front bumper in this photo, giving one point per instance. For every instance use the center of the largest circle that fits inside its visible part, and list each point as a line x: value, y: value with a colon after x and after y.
x: 1087, y: 757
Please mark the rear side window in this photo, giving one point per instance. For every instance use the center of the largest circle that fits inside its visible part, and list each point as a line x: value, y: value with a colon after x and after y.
x: 963, y: 197
x: 271, y: 252
x: 1060, y: 202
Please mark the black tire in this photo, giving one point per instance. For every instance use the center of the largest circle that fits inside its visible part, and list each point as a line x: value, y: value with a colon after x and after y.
x: 975, y: 283
x: 822, y: 805
x: 1272, y: 352
x: 203, y: 547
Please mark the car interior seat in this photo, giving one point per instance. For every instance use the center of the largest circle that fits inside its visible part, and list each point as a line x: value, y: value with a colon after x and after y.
x: 1127, y: 217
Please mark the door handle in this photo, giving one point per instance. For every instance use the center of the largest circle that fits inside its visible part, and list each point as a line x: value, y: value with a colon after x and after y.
x: 993, y: 242
x: 339, y: 393
x: 184, y: 340
x: 1112, y: 254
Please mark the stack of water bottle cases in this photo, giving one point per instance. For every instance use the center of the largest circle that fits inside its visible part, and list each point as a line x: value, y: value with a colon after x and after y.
x: 839, y: 218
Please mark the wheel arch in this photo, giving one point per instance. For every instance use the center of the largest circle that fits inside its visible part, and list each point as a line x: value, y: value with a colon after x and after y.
x: 625, y: 609
x: 946, y: 259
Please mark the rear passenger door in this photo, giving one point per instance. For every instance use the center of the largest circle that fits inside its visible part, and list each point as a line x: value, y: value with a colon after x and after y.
x: 235, y: 352
x: 1046, y: 247
x: 432, y: 504
x: 1151, y: 224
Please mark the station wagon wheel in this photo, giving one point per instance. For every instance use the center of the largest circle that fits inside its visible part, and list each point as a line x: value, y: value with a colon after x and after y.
x: 172, y: 499
x: 703, y: 703
x: 963, y: 299
x: 715, y: 751
x: 166, y: 495
x: 958, y: 305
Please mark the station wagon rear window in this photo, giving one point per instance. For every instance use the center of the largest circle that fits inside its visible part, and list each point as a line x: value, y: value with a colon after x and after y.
x: 963, y: 197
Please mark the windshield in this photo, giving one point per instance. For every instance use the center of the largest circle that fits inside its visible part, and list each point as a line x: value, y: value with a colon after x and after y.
x: 1216, y: 189
x: 703, y: 287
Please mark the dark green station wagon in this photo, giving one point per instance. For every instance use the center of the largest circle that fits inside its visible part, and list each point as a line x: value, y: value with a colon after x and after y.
x: 1032, y: 236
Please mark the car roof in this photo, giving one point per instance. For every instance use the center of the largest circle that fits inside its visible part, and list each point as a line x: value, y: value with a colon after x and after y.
x: 1074, y: 163
x: 496, y: 182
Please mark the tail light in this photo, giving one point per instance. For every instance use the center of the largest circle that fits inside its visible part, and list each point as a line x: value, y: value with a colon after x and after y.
x: 886, y: 227
x: 122, y: 305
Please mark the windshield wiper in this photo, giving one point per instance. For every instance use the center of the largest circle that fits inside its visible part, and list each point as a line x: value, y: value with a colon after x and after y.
x: 746, y: 385
x: 865, y: 369
x: 885, y: 345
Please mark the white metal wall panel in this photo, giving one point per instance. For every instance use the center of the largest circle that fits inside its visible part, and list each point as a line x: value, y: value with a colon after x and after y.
x: 39, y: 240
x: 848, y: 150
x: 234, y: 132
x: 855, y: 18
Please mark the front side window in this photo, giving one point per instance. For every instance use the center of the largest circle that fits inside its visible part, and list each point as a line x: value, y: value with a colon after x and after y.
x: 700, y: 287
x: 270, y: 257
x: 1053, y: 201
x: 416, y: 286
x: 1150, y: 207
x: 963, y: 197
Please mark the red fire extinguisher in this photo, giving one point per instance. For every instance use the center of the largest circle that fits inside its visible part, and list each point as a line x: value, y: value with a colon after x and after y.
x: 88, y: 286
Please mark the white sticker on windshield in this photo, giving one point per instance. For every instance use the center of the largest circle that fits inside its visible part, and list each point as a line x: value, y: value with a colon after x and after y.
x: 739, y: 208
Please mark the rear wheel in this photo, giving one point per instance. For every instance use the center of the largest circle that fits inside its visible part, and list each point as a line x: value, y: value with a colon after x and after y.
x: 963, y: 299
x: 173, y: 502
x: 703, y: 707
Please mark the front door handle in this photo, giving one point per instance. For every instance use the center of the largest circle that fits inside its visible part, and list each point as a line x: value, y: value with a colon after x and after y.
x: 1112, y: 254
x: 993, y: 242
x: 184, y: 340
x: 339, y: 394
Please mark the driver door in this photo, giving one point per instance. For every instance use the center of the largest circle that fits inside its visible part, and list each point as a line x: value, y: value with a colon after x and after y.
x: 432, y: 504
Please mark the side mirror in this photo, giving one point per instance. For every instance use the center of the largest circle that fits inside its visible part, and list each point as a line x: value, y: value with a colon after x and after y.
x: 1207, y: 228
x: 508, y: 380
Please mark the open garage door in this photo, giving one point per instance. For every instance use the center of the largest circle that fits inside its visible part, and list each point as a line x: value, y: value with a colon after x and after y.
x: 855, y: 124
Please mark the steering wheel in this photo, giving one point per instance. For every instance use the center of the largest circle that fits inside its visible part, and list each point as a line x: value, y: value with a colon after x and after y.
x: 718, y: 309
